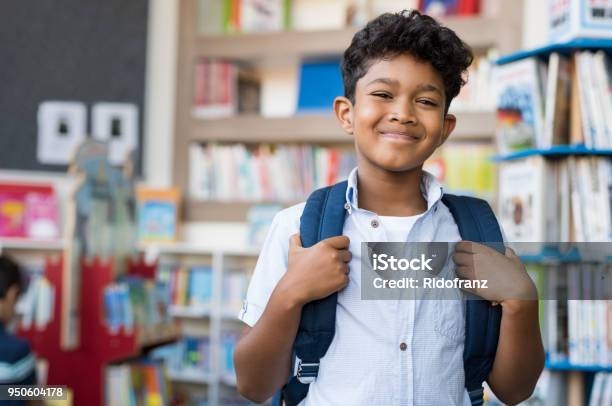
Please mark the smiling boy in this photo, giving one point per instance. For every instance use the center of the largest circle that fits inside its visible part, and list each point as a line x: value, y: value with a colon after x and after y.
x: 400, y: 74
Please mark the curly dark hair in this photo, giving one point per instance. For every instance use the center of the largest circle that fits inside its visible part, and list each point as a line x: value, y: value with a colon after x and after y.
x: 413, y: 33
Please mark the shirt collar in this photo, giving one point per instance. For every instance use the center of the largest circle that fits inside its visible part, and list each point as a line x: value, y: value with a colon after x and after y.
x: 431, y: 189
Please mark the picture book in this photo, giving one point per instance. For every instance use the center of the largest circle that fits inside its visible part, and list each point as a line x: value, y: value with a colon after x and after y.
x: 158, y: 214
x: 519, y: 105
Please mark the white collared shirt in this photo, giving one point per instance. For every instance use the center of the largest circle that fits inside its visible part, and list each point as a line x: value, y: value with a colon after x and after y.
x: 365, y: 363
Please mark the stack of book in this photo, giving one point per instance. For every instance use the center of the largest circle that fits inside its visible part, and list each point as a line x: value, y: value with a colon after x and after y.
x: 477, y: 94
x: 222, y: 89
x: 247, y: 16
x: 136, y: 383
x: 575, y: 312
x: 189, y: 357
x: 191, y: 287
x: 565, y: 100
x: 235, y: 16
x: 281, y: 173
x: 134, y: 302
x: 556, y: 200
x: 601, y: 394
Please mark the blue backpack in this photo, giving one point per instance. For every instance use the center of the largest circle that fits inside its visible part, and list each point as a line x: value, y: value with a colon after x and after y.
x: 323, y: 217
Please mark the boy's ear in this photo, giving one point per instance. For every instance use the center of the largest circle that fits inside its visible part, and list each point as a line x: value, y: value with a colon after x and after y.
x: 449, y: 125
x: 343, y: 108
x: 12, y: 294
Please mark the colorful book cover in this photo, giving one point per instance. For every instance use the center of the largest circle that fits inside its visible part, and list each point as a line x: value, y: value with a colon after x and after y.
x: 158, y: 214
x: 519, y: 105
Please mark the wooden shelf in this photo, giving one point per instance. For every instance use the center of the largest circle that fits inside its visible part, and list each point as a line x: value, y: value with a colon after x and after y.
x: 252, y: 128
x: 480, y: 32
x: 322, y: 128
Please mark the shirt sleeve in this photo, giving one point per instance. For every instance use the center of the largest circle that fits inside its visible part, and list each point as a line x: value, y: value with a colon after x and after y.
x: 17, y: 364
x: 271, y: 264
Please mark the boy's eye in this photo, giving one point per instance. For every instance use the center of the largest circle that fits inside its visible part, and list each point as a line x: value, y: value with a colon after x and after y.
x: 382, y: 95
x: 428, y: 102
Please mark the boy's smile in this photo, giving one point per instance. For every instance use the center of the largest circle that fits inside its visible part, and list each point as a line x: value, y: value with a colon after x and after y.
x: 398, y: 116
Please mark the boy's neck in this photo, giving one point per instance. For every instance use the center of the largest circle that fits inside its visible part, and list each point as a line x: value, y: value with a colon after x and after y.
x: 390, y: 193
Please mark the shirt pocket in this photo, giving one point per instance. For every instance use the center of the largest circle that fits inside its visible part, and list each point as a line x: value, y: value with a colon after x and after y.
x: 449, y: 319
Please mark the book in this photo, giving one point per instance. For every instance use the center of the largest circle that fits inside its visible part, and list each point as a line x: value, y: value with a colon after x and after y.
x: 571, y: 19
x: 312, y: 97
x: 215, y: 83
x: 262, y: 15
x: 140, y: 382
x: 158, y: 214
x: 28, y: 211
x: 519, y: 105
x: 264, y: 173
x: 556, y: 113
x: 521, y: 199
x: 210, y: 17
x: 191, y: 287
x: 200, y: 286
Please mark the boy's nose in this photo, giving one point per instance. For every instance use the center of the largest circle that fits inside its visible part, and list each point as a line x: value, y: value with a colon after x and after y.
x: 404, y: 115
x: 403, y: 112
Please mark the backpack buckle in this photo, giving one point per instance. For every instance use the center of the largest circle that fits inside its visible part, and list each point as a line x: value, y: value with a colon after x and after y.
x: 307, y: 372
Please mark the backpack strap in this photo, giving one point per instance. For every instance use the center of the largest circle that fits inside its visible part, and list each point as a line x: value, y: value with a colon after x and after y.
x: 476, y: 222
x: 323, y: 217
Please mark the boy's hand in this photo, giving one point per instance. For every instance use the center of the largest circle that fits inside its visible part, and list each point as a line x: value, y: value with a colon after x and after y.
x: 505, y: 274
x: 317, y: 272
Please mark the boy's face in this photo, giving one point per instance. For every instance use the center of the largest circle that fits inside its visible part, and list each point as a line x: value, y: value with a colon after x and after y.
x: 398, y: 117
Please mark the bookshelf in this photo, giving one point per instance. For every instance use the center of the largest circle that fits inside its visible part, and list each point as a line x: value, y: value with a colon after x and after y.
x: 99, y: 346
x: 480, y: 32
x: 213, y: 320
x: 502, y: 31
x: 567, y: 268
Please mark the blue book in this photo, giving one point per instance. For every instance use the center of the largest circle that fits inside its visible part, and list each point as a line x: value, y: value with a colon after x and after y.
x: 200, y: 286
x: 320, y: 84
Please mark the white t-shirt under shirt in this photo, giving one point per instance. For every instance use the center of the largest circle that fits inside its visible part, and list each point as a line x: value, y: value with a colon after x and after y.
x: 397, y: 228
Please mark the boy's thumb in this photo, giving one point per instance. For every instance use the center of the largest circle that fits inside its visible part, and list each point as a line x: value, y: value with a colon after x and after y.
x: 295, y: 242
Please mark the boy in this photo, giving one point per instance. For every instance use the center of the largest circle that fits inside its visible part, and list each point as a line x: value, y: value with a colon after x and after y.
x: 17, y: 363
x: 400, y: 74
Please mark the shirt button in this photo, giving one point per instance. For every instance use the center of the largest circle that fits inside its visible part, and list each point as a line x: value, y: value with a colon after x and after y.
x: 374, y: 223
x: 403, y: 346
